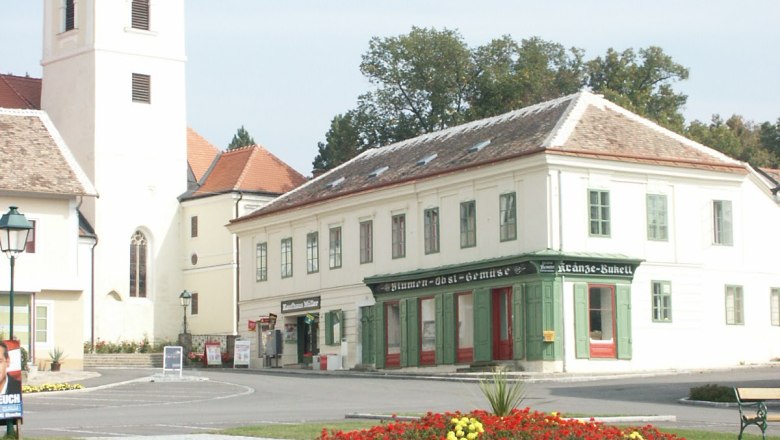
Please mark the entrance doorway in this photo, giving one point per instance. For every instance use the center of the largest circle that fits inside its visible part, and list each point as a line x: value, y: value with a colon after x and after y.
x: 502, y: 323
x: 601, y: 316
x: 307, y: 337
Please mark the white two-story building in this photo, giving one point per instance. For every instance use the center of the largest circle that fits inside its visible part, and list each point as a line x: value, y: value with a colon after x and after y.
x: 571, y: 235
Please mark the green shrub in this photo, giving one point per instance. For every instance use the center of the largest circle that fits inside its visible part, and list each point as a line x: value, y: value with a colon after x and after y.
x: 502, y: 394
x: 712, y: 393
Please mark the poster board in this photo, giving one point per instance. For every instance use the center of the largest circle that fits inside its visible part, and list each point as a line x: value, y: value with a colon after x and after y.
x: 173, y: 356
x: 11, y: 368
x: 213, y: 353
x: 241, y: 353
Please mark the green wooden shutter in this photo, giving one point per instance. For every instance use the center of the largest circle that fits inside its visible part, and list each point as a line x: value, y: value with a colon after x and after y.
x: 623, y: 318
x: 534, y: 346
x: 448, y: 328
x: 379, y: 333
x: 518, y: 322
x: 483, y: 349
x: 581, y: 324
x: 329, y: 328
x: 404, y: 331
x: 413, y: 341
x: 439, y: 328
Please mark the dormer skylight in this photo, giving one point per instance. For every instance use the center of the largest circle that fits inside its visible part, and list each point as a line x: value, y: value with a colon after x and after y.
x: 378, y: 171
x: 479, y: 146
x: 425, y: 160
x: 335, y: 183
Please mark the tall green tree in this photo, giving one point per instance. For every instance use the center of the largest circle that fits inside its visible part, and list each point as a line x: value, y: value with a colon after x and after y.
x: 428, y: 80
x: 342, y: 142
x: 421, y: 81
x: 641, y: 83
x: 241, y: 139
x: 511, y: 75
x: 736, y: 138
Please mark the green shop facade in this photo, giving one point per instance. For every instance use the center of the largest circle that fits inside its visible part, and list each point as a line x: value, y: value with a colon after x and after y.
x: 502, y: 311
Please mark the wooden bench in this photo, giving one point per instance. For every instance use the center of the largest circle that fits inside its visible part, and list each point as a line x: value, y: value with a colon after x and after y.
x: 754, y: 399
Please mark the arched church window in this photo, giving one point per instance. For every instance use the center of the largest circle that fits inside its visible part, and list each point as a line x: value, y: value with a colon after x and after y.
x: 138, y: 263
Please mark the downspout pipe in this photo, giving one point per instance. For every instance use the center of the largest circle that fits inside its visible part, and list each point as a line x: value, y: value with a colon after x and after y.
x: 238, y: 269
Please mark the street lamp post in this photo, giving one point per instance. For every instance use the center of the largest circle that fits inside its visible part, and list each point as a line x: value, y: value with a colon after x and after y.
x: 14, y: 229
x: 185, y: 298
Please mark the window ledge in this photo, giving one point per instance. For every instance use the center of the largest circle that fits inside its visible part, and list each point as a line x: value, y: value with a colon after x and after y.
x: 132, y: 30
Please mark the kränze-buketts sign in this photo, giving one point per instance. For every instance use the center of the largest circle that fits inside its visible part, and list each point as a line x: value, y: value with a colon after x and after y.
x: 568, y: 267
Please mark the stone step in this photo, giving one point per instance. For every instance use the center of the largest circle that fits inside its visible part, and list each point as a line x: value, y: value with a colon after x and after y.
x: 123, y: 360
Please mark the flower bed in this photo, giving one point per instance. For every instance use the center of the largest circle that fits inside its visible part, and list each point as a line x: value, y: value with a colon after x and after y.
x: 50, y: 387
x: 520, y: 424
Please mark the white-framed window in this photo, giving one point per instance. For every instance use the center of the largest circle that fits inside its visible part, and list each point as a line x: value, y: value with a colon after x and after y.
x: 335, y: 247
x: 312, y: 252
x: 194, y: 303
x: 735, y: 314
x: 774, y: 306
x: 261, y: 262
x: 366, y: 241
x: 431, y: 227
x: 138, y: 264
x: 468, y: 224
x: 598, y: 213
x: 507, y: 215
x: 399, y: 235
x: 333, y: 327
x: 662, y: 301
x: 44, y: 327
x: 657, y: 215
x: 287, y: 257
x: 140, y: 15
x: 194, y: 226
x: 722, y: 222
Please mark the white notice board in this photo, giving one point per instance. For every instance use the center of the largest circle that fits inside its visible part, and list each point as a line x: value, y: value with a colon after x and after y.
x: 241, y: 353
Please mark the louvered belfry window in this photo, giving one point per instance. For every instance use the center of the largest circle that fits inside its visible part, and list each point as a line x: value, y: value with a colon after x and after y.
x: 142, y: 86
x: 140, y: 14
x: 70, y: 15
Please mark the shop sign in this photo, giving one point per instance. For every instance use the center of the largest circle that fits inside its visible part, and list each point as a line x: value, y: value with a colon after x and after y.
x: 298, y: 305
x: 465, y: 277
x: 571, y: 267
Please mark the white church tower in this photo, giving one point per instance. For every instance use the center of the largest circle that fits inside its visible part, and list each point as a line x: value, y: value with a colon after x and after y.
x: 113, y: 83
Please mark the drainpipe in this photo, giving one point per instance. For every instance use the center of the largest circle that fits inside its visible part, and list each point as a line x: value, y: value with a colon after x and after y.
x: 92, y: 295
x: 560, y: 213
x: 238, y: 270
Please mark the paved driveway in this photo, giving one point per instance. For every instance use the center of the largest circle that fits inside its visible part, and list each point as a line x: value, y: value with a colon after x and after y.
x: 231, y: 398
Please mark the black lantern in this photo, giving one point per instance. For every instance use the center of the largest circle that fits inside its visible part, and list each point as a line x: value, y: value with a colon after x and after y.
x: 14, y: 229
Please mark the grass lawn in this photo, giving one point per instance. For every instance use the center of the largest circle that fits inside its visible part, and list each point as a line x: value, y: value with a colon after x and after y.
x: 307, y: 431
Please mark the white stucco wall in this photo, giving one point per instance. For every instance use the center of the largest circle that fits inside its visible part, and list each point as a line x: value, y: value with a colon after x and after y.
x: 135, y: 153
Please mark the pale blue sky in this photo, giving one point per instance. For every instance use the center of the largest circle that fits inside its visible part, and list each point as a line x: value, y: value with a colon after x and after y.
x: 284, y: 69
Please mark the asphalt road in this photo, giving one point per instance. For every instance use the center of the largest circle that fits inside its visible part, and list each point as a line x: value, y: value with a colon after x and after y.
x: 228, y: 398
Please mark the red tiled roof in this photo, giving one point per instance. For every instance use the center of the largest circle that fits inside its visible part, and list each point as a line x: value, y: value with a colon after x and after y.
x: 251, y: 169
x: 582, y: 124
x: 200, y: 153
x: 20, y: 92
